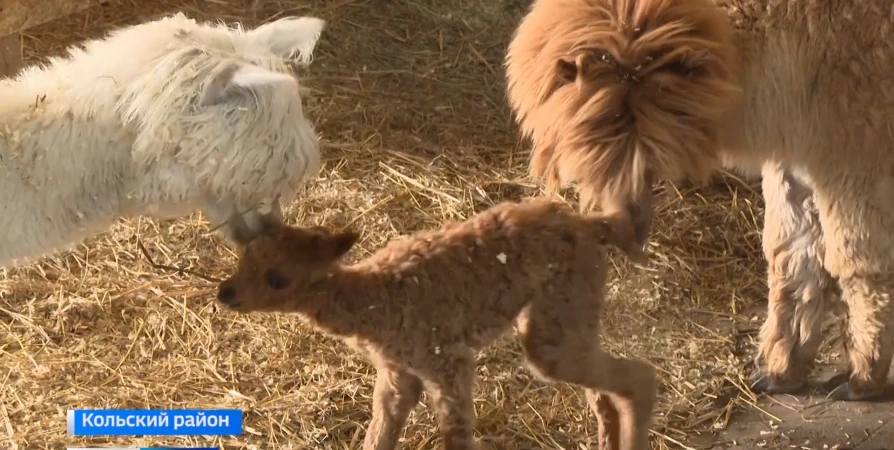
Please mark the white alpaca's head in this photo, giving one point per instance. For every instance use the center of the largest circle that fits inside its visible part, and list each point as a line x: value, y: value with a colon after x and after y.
x: 218, y: 117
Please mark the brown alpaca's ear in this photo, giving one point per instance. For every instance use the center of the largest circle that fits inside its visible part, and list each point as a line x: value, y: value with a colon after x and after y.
x: 570, y: 68
x: 341, y: 243
x: 566, y: 70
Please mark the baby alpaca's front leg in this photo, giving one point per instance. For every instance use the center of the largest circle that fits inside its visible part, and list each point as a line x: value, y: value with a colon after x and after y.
x: 397, y: 392
x: 449, y: 384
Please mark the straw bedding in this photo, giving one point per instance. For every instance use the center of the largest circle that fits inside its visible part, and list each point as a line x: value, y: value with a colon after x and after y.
x: 409, y: 98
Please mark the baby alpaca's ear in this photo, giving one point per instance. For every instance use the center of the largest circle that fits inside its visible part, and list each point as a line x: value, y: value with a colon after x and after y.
x: 237, y: 81
x: 341, y: 243
x: 619, y: 233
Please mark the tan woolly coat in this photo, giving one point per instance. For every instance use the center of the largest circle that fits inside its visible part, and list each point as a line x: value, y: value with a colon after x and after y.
x: 423, y: 305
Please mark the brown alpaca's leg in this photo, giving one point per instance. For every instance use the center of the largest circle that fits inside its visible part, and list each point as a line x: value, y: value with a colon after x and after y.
x: 857, y: 216
x: 800, y: 288
x: 396, y: 393
x: 449, y: 384
x: 561, y: 343
x: 607, y: 416
x: 869, y: 337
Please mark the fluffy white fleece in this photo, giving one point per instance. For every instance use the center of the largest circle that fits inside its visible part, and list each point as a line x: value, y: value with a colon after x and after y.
x: 160, y: 119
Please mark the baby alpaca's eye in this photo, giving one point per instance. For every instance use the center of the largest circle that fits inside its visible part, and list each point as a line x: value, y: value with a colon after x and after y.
x: 275, y: 279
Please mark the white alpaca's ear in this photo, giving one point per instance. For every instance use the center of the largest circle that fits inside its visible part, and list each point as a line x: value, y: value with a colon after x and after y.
x: 291, y: 37
x: 238, y: 81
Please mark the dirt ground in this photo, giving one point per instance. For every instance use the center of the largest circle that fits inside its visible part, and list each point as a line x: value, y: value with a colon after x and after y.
x: 409, y: 100
x: 808, y: 420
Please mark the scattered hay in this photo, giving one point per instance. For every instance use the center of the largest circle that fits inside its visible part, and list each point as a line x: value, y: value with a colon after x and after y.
x: 409, y: 98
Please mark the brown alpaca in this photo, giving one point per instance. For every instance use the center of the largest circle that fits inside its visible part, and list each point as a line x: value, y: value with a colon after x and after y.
x: 422, y: 306
x: 616, y: 94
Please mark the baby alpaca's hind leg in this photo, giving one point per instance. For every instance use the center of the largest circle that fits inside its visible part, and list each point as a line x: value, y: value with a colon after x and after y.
x: 561, y: 343
x: 607, y: 416
x: 397, y: 392
x: 449, y: 384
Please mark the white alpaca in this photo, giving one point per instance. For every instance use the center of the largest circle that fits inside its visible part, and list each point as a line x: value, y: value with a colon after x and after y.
x: 158, y: 119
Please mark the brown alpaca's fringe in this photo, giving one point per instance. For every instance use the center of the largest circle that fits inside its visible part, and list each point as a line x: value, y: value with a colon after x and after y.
x: 610, y: 91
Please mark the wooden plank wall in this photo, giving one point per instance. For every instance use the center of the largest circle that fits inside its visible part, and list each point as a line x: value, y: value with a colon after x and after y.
x: 19, y: 15
x: 10, y: 54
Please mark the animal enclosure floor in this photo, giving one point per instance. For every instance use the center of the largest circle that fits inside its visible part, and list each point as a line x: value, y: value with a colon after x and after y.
x: 810, y: 422
x: 807, y: 421
x: 409, y: 99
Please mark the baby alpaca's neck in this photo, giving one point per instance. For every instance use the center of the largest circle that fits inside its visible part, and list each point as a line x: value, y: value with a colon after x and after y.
x: 347, y: 304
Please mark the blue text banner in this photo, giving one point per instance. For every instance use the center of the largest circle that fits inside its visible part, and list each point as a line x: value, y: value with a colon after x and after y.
x: 154, y: 422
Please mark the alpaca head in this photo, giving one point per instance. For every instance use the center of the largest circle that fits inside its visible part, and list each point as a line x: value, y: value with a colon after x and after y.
x: 283, y: 267
x: 618, y: 94
x: 219, y: 117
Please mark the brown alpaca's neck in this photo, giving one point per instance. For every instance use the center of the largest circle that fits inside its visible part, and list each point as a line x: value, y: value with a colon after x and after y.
x: 344, y: 303
x: 749, y: 133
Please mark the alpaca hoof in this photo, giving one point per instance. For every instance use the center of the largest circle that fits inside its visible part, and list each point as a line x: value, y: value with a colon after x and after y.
x: 759, y: 383
x: 836, y: 381
x: 846, y: 391
x: 765, y: 385
x: 762, y: 382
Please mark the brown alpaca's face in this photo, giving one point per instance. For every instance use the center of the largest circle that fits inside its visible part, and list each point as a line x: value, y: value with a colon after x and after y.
x: 282, y: 267
x: 616, y: 98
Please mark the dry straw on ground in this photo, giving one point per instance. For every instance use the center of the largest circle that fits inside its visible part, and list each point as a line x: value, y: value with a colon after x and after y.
x: 409, y: 99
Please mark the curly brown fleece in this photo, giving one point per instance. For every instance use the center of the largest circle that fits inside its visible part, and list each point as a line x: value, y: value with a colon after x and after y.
x: 423, y: 305
x: 611, y: 90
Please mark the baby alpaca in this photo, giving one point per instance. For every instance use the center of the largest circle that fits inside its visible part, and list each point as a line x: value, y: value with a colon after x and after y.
x: 422, y: 306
